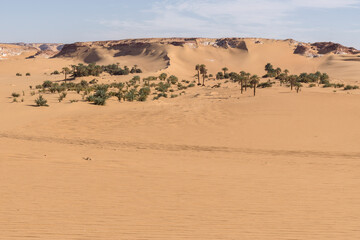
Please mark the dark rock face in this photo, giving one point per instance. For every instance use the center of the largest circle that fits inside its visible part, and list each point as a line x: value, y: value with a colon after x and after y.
x: 321, y: 48
x: 146, y: 46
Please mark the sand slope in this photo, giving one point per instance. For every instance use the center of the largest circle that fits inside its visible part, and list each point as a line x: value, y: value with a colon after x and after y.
x: 211, y: 164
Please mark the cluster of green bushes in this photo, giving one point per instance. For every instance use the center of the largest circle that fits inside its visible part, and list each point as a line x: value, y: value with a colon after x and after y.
x: 83, y: 70
x: 115, y: 69
x: 349, y: 87
x: 132, y: 90
x: 333, y: 85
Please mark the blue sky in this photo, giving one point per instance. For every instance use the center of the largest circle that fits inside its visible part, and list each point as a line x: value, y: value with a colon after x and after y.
x: 86, y: 20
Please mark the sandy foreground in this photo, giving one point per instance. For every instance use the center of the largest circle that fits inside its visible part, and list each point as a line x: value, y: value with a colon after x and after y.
x: 213, y: 164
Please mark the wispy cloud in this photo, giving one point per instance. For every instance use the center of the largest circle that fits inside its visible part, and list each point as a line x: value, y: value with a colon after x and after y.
x: 213, y: 18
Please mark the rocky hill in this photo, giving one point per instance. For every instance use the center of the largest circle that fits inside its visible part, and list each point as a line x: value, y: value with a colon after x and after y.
x: 45, y: 50
x: 94, y: 51
x: 322, y: 48
x: 89, y: 51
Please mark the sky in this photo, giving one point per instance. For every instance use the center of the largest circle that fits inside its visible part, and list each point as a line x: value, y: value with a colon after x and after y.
x: 70, y: 21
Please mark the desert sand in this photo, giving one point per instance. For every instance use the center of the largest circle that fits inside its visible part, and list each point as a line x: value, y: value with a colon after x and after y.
x: 210, y: 164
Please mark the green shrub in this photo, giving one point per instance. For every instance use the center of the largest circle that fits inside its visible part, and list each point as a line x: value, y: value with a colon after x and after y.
x: 312, y: 85
x: 56, y: 72
x: 131, y: 95
x: 94, y: 81
x: 172, y: 79
x: 47, y: 84
x: 41, y: 101
x: 100, y: 101
x: 349, y: 87
x: 15, y: 95
x: 265, y: 85
x: 62, y: 96
x: 18, y: 74
x: 28, y: 74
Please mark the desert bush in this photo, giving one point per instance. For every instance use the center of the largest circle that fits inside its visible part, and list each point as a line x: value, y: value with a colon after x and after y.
x: 74, y: 101
x: 14, y: 100
x: 131, y: 95
x: 220, y: 75
x: 62, y: 96
x: 15, y: 95
x: 265, y: 85
x: 82, y: 70
x: 32, y: 93
x: 28, y: 74
x: 120, y: 96
x: 312, y: 85
x: 41, y: 101
x: 172, y: 79
x: 100, y: 101
x: 18, y: 74
x: 163, y: 76
x: 191, y: 85
x: 94, y: 81
x: 84, y: 83
x: 56, y: 72
x: 47, y: 84
x: 349, y: 87
x: 174, y: 95
x: 163, y: 87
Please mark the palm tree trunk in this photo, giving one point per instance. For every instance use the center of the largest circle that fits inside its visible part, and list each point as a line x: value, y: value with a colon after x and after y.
x: 199, y: 83
x: 254, y: 89
x: 242, y: 87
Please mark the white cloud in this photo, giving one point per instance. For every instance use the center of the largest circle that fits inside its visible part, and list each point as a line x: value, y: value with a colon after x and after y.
x: 326, y: 3
x: 213, y: 18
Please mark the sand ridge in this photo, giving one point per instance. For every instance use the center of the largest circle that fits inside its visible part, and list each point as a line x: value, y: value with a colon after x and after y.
x: 210, y: 164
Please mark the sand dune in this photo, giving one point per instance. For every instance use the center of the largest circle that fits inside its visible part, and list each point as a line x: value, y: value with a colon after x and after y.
x: 210, y: 164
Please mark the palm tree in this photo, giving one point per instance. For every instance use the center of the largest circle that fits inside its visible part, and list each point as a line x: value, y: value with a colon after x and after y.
x: 298, y: 86
x: 293, y: 79
x: 197, y: 68
x: 66, y: 71
x: 269, y: 67
x: 203, y: 71
x: 225, y: 69
x: 254, y: 80
x: 241, y: 80
x: 286, y: 72
x: 278, y: 72
x: 247, y: 79
x: 318, y: 77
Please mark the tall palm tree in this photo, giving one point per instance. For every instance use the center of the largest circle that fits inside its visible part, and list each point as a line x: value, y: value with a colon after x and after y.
x: 197, y: 68
x: 298, y: 86
x: 66, y: 71
x: 293, y: 79
x: 254, y: 80
x: 247, y: 79
x: 203, y: 71
x: 241, y: 80
x: 225, y: 69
